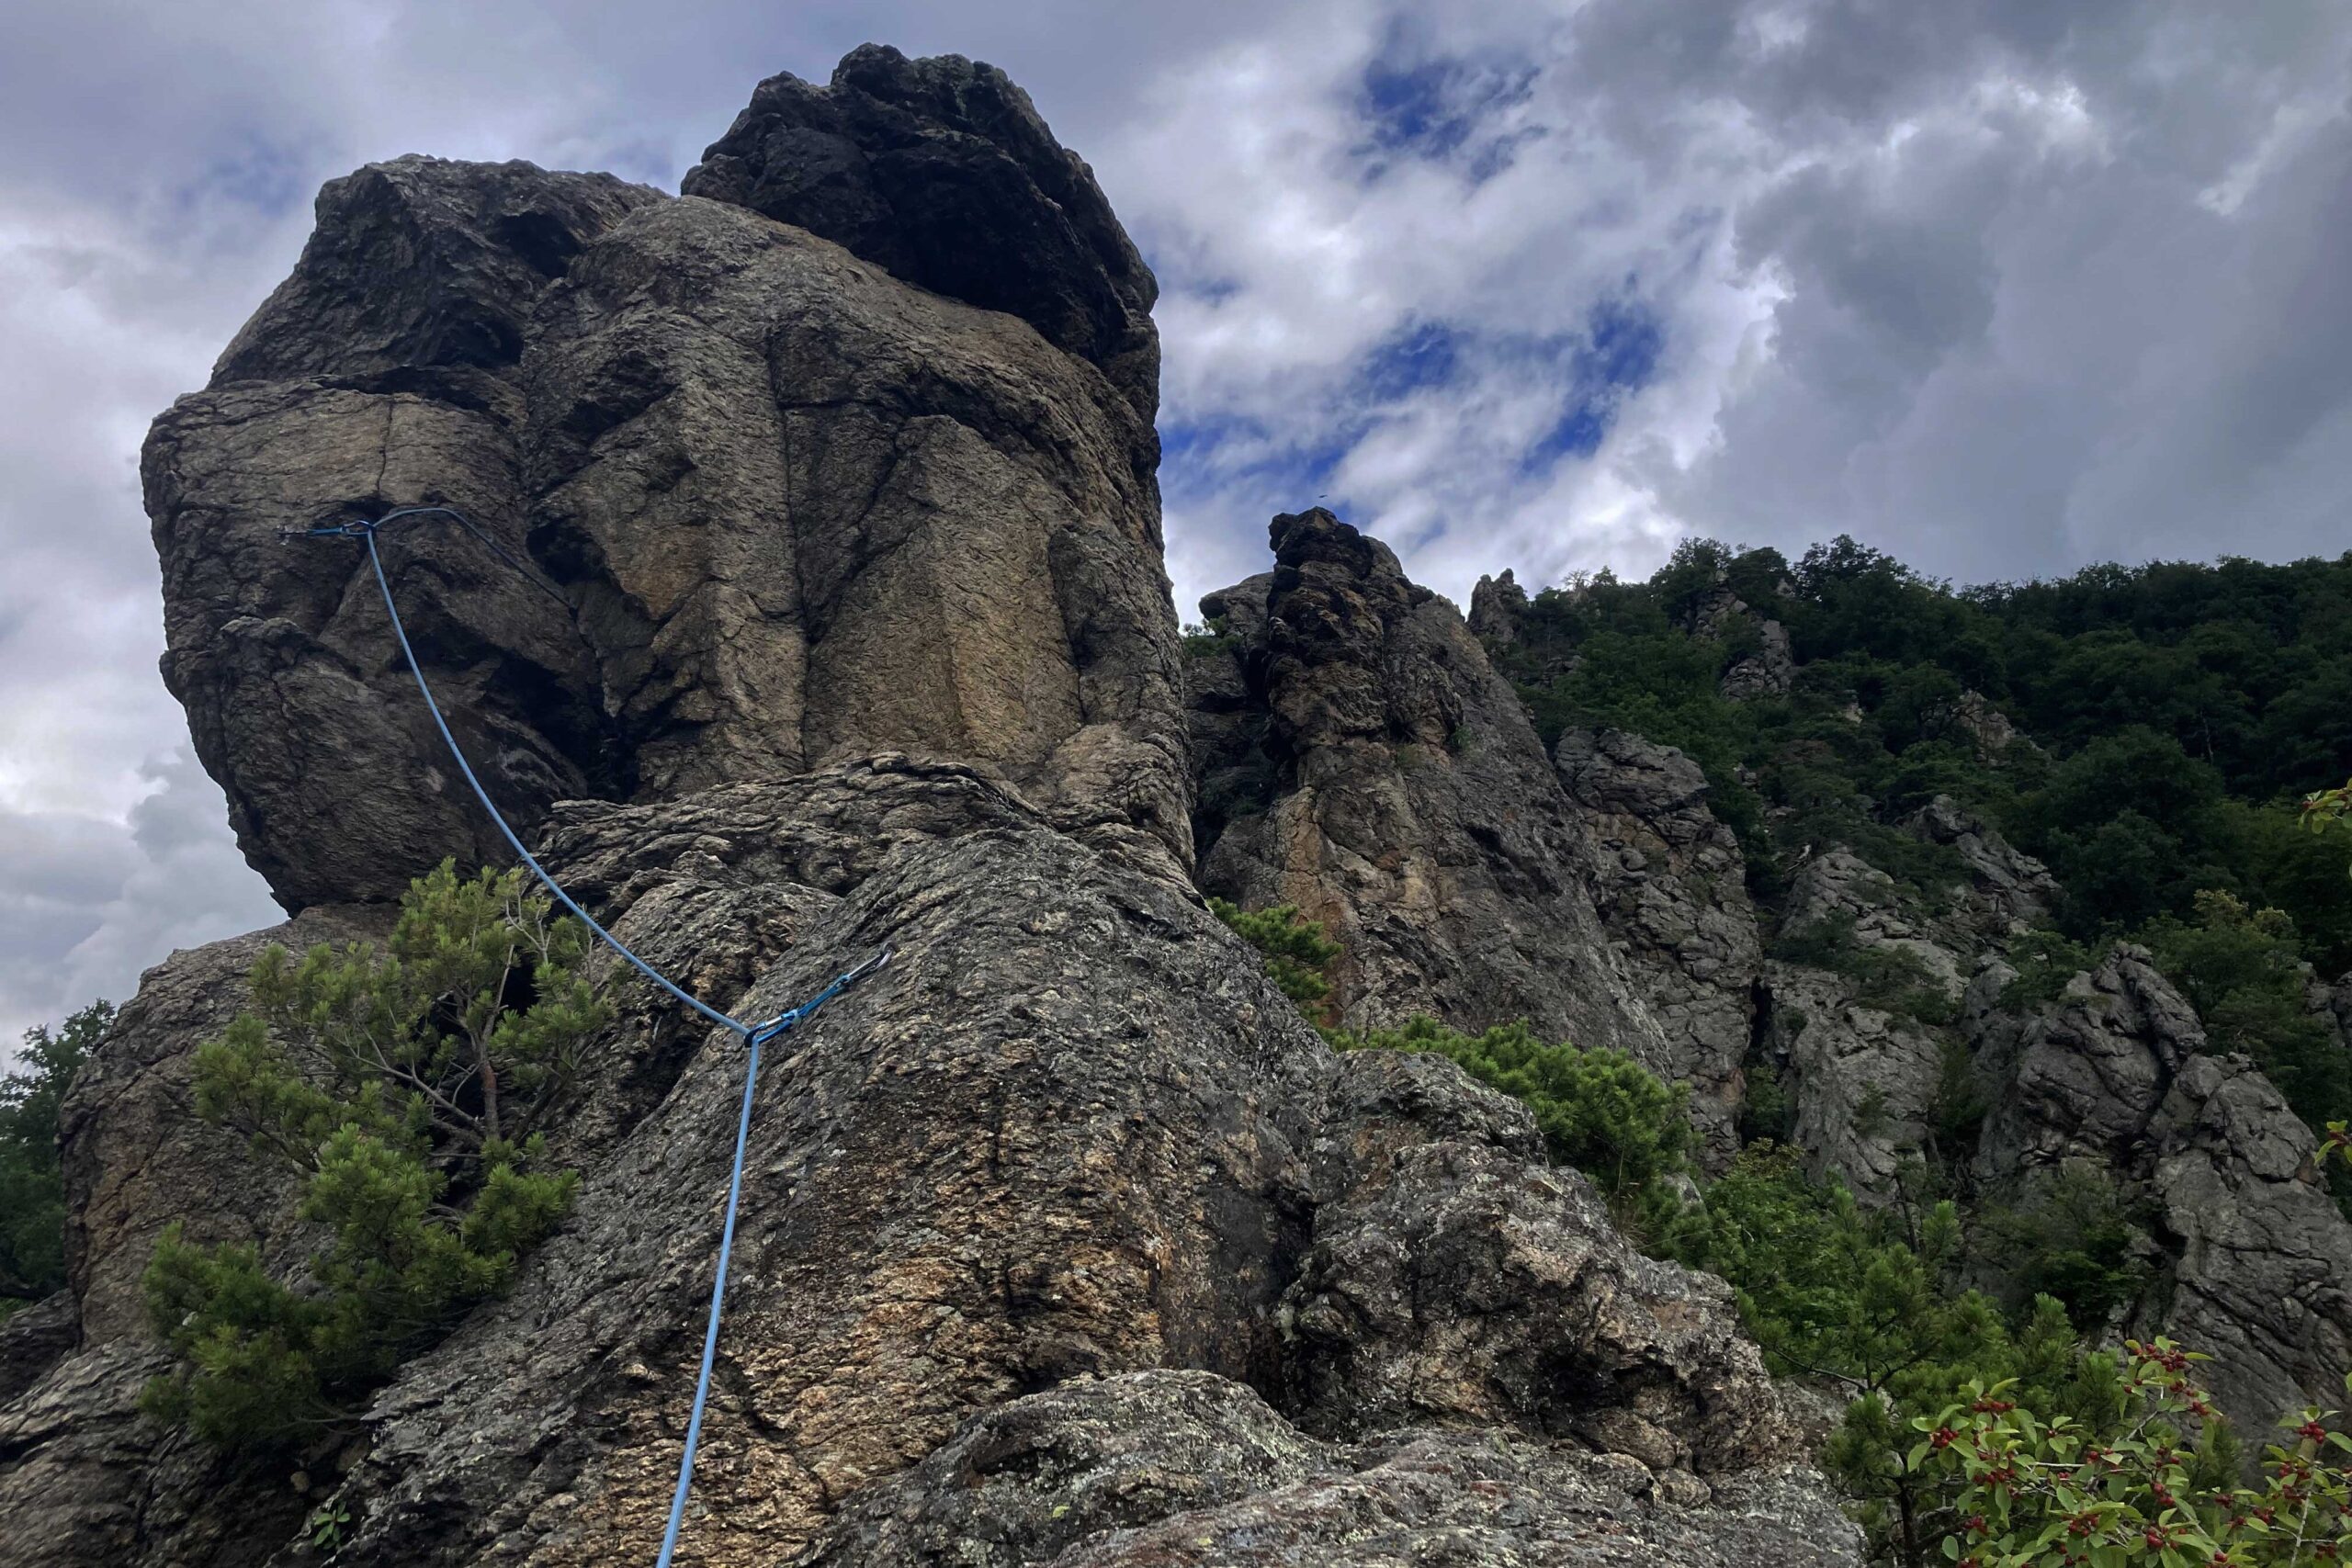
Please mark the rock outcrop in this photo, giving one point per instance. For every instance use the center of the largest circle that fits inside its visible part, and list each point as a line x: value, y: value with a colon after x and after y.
x: 1166, y: 1468
x: 2114, y: 1075
x: 1767, y: 666
x: 1857, y: 1014
x: 1401, y: 799
x: 1535, y: 1281
x: 1072, y: 1134
x: 776, y: 504
x: 1673, y: 893
x: 838, y: 620
x: 1497, y: 603
x: 942, y: 173
x: 1861, y: 1080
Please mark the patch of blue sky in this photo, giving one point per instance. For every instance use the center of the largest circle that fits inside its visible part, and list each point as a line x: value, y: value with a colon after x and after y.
x: 1282, y: 471
x: 1415, y: 107
x: 1424, y: 354
x: 1614, y: 356
x: 1419, y: 105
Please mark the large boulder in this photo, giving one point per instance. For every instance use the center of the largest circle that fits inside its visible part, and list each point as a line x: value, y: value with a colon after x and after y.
x: 741, y: 502
x: 1553, y: 1325
x: 1368, y: 765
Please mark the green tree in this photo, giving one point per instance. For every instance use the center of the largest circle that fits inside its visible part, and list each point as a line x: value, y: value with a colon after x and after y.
x: 1298, y: 954
x: 1599, y: 1111
x: 1865, y: 1303
x: 2243, y: 970
x: 32, y: 1186
x: 2132, y: 824
x: 2071, y: 1240
x: 408, y: 1088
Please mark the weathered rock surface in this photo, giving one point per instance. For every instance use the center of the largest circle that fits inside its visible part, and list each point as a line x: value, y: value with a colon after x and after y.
x: 1988, y: 730
x: 35, y: 1339
x: 788, y: 506
x: 941, y: 172
x: 1553, y: 1325
x: 1497, y: 603
x: 1166, y: 1467
x: 841, y: 621
x: 1862, y: 1080
x: 1403, y: 801
x: 2008, y: 890
x: 1672, y: 891
x: 1864, y: 1073
x: 2115, y: 1073
x: 1072, y: 1133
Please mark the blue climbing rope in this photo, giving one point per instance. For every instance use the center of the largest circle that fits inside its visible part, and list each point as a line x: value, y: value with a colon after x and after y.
x: 755, y: 1035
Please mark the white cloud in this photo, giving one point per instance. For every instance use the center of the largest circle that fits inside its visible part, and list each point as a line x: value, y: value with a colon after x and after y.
x: 1997, y: 285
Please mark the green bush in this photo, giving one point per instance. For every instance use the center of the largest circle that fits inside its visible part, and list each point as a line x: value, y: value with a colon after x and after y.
x: 1599, y: 1111
x: 1202, y: 638
x: 408, y: 1088
x: 1298, y: 954
x: 1867, y: 1304
x: 32, y: 1186
x: 2242, y: 970
x: 2020, y: 1485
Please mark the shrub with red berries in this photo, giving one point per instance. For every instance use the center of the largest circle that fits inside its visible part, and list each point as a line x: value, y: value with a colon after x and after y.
x: 2036, y: 1494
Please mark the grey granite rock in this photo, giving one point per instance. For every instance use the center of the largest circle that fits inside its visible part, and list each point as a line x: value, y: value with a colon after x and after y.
x: 1863, y: 1079
x: 942, y: 173
x: 1166, y: 1467
x: 1496, y: 604
x: 1401, y: 799
x: 2115, y: 1073
x: 1672, y: 893
x: 1072, y: 1133
x: 1467, y: 1289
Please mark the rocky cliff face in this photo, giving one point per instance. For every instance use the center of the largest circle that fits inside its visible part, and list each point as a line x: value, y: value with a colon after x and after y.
x: 1064, y: 1239
x: 781, y: 504
x: 2115, y: 1076
x: 1360, y: 759
x: 1673, y: 893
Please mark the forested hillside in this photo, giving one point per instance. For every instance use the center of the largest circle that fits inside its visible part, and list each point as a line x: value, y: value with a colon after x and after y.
x: 1977, y: 928
x: 2146, y: 732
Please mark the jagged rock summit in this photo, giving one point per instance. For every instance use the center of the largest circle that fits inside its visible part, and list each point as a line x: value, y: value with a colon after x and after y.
x: 1360, y: 759
x: 1065, y: 1239
x: 783, y: 504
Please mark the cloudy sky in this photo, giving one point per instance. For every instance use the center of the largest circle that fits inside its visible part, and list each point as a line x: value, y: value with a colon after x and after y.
x: 2002, y: 285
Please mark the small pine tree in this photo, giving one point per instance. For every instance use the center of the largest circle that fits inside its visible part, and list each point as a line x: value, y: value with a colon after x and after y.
x: 409, y: 1087
x: 1298, y: 954
x: 1600, y: 1111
